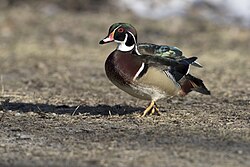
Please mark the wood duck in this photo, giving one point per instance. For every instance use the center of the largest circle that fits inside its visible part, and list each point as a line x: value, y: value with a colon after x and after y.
x: 149, y: 71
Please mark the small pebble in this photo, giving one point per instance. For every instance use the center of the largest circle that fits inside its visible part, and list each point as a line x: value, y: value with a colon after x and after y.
x: 54, y: 114
x: 17, y: 114
x: 240, y: 152
x: 22, y: 137
x: 32, y: 113
x: 62, y: 115
x: 2, y: 145
x: 25, y: 137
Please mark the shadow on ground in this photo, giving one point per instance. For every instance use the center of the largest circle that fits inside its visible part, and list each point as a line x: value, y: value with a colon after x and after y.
x: 103, y: 110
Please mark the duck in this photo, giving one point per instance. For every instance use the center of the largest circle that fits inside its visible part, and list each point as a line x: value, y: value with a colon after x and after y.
x: 149, y: 71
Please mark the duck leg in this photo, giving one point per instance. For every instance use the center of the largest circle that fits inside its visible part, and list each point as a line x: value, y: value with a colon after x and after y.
x: 151, y: 109
x: 155, y: 110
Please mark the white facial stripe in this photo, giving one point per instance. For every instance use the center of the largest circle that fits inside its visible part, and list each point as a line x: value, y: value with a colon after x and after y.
x: 108, y: 39
x: 124, y: 41
x: 132, y: 36
x: 139, y: 71
x: 117, y: 28
x: 122, y: 45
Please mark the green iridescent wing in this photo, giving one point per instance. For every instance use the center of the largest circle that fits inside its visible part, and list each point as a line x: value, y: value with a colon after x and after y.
x: 164, y: 51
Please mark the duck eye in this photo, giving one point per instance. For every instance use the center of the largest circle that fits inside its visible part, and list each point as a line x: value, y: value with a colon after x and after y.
x: 120, y: 30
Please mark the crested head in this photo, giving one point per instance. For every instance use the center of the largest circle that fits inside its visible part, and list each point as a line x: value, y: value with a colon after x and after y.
x: 123, y: 34
x: 123, y: 26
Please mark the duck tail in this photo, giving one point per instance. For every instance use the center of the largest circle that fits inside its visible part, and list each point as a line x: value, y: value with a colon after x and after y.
x: 188, y: 61
x: 190, y: 83
x: 197, y: 64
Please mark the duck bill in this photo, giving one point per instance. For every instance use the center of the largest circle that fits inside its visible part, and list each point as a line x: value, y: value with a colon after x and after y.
x: 109, y: 38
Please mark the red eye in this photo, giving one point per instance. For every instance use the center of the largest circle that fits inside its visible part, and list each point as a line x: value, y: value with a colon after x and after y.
x: 120, y: 30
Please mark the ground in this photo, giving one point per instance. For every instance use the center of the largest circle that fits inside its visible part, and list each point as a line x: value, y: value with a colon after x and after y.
x: 51, y: 63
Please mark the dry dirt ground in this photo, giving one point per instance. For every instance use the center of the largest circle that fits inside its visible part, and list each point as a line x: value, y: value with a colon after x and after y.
x: 50, y: 63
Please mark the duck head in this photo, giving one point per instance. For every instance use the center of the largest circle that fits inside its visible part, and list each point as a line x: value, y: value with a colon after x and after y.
x: 123, y: 34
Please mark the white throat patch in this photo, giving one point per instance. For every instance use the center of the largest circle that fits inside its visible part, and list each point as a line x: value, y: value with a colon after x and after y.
x: 122, y: 45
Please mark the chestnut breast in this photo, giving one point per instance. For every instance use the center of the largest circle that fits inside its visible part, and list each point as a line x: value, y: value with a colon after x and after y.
x: 121, y: 67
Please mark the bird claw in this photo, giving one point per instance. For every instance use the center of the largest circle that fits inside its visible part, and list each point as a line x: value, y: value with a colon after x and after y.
x: 151, y: 110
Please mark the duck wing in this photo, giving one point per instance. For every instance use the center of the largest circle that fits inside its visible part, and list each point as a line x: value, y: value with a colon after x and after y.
x: 174, y: 68
x: 165, y: 51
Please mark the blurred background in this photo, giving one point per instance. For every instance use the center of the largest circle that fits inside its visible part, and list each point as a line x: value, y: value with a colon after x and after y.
x: 50, y: 47
x: 218, y: 11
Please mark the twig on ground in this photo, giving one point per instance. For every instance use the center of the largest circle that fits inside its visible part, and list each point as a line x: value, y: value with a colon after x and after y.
x: 73, y: 113
x: 40, y: 112
x: 110, y: 114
